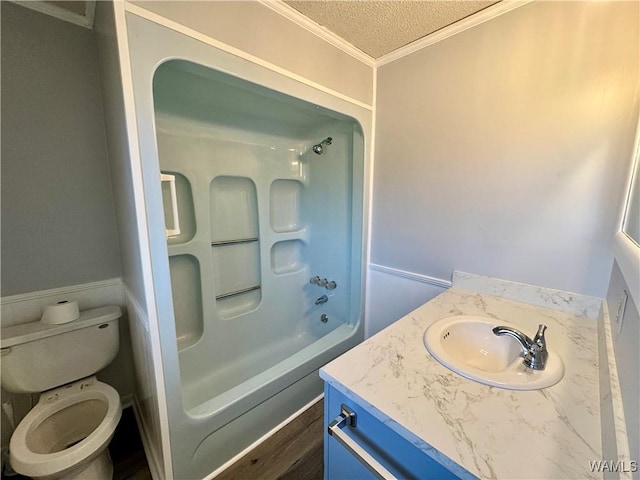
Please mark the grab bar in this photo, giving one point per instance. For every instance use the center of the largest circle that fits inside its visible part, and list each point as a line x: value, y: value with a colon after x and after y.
x: 238, y: 292
x: 172, y: 232
x: 232, y: 242
x: 348, y: 417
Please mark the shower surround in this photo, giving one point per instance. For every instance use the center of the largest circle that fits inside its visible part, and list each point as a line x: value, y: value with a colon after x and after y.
x: 257, y: 240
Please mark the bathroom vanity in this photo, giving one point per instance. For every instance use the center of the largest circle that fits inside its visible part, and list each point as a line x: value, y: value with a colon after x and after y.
x: 416, y: 418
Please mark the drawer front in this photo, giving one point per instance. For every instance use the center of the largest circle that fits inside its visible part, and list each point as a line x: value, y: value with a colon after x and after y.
x: 396, y: 456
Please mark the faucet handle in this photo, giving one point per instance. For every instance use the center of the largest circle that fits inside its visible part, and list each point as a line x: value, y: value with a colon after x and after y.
x: 539, y: 338
x: 536, y: 357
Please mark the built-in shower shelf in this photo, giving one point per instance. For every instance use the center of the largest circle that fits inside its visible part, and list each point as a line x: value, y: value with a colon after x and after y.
x: 186, y: 289
x: 238, y: 292
x: 234, y: 242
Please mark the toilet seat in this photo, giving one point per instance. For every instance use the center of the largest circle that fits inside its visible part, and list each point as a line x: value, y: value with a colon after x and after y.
x: 29, y: 444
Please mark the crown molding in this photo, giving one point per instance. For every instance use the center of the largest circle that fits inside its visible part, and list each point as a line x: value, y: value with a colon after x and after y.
x: 298, y: 18
x: 466, y: 23
x: 478, y: 18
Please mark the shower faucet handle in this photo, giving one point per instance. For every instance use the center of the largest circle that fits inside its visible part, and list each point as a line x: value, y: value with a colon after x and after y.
x: 328, y: 284
x: 323, y: 282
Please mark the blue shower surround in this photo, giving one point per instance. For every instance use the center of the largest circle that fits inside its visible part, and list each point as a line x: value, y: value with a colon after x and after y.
x: 260, y: 213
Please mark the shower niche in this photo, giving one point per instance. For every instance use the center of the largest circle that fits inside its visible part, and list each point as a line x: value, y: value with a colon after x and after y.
x: 284, y: 205
x: 184, y: 268
x: 287, y: 257
x: 187, y: 298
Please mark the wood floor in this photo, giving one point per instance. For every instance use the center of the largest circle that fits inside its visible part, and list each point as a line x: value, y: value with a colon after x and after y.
x: 127, y: 453
x: 293, y: 453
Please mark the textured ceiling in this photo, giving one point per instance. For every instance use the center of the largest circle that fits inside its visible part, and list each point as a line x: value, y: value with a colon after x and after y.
x: 380, y: 27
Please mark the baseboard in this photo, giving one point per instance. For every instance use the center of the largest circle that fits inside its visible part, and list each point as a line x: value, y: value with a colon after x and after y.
x: 152, y: 457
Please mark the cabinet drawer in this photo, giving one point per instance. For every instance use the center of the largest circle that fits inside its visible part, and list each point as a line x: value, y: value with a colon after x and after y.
x: 393, y: 452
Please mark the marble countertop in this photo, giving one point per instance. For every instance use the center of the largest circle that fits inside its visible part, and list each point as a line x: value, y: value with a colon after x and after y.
x: 473, y: 429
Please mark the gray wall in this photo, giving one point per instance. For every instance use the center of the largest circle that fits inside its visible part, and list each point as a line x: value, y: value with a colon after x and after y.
x: 504, y: 150
x: 58, y: 220
x: 626, y: 344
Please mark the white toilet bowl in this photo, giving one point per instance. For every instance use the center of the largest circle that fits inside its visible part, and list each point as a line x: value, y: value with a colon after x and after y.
x: 67, y: 433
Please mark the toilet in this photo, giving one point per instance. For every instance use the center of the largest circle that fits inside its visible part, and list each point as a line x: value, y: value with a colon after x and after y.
x: 66, y: 435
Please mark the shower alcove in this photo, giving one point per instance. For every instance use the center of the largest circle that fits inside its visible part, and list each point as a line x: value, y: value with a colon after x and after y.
x: 242, y: 214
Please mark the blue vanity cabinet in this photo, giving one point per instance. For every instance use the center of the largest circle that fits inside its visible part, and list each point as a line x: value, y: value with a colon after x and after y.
x: 392, y: 452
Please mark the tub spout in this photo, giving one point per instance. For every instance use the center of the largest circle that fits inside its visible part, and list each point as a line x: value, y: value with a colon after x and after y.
x: 322, y: 299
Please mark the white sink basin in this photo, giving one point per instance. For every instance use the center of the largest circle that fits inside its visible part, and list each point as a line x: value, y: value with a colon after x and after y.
x: 467, y: 345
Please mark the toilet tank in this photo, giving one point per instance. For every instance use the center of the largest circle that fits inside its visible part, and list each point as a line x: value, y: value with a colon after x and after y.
x: 37, y: 356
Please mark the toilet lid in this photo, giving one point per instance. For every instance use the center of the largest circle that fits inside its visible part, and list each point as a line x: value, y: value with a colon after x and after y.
x: 35, y: 464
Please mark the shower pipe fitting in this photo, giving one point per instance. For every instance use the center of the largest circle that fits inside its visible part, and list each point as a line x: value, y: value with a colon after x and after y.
x: 319, y: 148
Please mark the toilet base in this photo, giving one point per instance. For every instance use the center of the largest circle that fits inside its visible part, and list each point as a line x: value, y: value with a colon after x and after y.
x: 100, y: 468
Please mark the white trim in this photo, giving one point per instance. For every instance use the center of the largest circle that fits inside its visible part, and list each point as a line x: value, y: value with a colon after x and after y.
x: 417, y: 277
x: 51, y: 9
x: 615, y: 394
x: 372, y: 157
x: 265, y: 437
x: 633, y: 175
x: 482, y: 16
x: 627, y: 255
x: 625, y: 249
x: 318, y: 30
x: 370, y: 186
x: 150, y: 453
x: 177, y: 27
x: 131, y: 121
x: 130, y: 300
x: 140, y: 318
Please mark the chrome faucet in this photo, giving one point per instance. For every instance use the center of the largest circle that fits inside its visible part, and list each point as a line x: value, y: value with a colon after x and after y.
x: 534, y: 351
x: 319, y: 148
x: 322, y: 299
